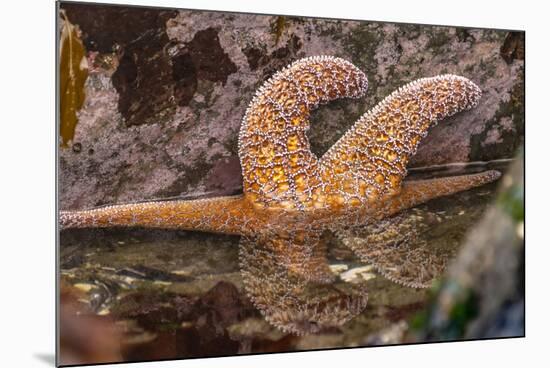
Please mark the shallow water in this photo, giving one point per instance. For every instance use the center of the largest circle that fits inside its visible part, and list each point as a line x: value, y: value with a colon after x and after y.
x: 178, y: 294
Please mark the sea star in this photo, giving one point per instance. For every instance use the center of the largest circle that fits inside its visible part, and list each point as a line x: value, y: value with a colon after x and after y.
x: 291, y: 196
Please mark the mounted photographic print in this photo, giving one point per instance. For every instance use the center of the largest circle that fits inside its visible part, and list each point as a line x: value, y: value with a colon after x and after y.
x: 233, y: 183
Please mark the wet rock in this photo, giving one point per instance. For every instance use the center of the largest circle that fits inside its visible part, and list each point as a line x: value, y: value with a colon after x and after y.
x: 338, y: 269
x: 252, y: 328
x: 155, y: 311
x: 274, y: 61
x: 144, y: 80
x: 358, y: 274
x: 513, y: 47
x: 255, y: 335
x: 209, y: 58
x: 144, y: 272
x: 102, y: 24
x: 144, y: 74
x: 192, y: 343
x: 152, y: 347
x: 201, y: 58
x: 85, y: 338
x: 225, y: 177
x: 164, y: 325
x: 389, y: 336
x: 225, y: 304
x: 398, y: 313
x: 324, y: 341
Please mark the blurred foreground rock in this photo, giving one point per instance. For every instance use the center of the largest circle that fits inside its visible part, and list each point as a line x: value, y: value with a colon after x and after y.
x: 84, y: 337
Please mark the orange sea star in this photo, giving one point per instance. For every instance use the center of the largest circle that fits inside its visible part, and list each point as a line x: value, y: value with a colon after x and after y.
x: 291, y: 196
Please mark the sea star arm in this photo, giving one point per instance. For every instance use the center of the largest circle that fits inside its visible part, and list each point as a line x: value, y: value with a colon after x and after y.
x: 229, y: 215
x: 279, y: 169
x: 288, y: 300
x: 415, y: 192
x: 374, y: 153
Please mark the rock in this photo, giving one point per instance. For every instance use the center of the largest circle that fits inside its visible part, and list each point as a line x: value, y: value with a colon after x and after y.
x: 337, y: 269
x: 85, y: 338
x: 254, y: 328
x: 391, y: 335
x: 167, y: 91
x: 225, y: 304
x: 358, y: 274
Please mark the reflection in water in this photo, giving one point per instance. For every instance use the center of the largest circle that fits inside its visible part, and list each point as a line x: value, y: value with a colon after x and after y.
x: 176, y: 294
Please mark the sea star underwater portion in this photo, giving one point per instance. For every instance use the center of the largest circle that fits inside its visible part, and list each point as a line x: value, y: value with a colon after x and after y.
x: 291, y: 197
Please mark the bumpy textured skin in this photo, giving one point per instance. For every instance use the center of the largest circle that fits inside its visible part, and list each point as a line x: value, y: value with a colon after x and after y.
x: 291, y: 196
x: 369, y: 161
x: 279, y: 169
x: 221, y: 215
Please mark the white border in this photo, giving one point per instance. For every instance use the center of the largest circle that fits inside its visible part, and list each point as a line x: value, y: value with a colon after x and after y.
x: 27, y: 184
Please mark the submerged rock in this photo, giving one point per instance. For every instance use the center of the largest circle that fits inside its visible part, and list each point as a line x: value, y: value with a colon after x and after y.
x: 358, y: 274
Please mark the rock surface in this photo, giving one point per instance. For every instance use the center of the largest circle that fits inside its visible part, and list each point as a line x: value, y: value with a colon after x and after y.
x: 167, y: 91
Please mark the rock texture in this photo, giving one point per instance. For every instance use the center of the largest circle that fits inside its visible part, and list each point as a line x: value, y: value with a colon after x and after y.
x: 167, y: 90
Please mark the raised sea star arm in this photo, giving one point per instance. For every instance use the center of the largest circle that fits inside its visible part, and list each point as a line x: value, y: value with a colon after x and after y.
x: 279, y: 169
x: 374, y: 153
x: 228, y: 215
